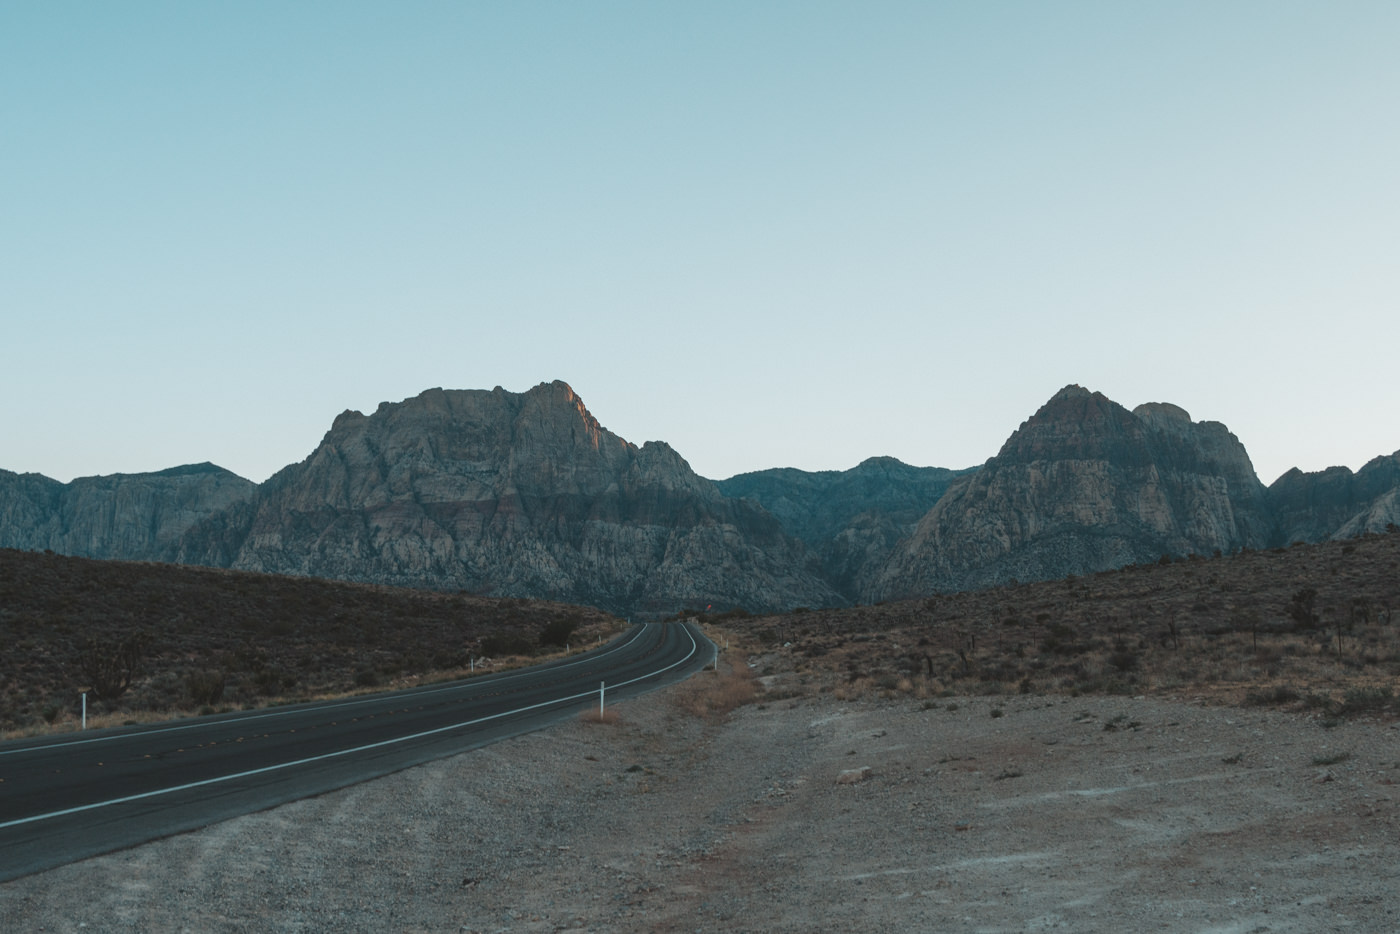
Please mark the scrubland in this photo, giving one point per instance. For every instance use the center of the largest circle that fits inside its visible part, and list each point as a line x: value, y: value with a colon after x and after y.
x: 1309, y: 626
x: 152, y: 641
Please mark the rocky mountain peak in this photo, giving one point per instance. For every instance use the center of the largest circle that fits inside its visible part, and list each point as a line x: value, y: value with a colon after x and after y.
x: 1163, y: 416
x: 1085, y: 484
x: 518, y: 494
x: 527, y: 494
x: 1074, y: 424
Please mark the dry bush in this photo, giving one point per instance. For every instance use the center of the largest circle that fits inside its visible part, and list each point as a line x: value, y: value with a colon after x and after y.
x: 608, y: 716
x: 713, y: 694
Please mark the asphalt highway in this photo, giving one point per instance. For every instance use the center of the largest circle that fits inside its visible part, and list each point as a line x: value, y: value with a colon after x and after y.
x: 68, y: 797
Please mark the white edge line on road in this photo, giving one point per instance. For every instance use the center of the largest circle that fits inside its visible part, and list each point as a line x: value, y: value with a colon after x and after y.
x: 368, y: 699
x: 694, y: 647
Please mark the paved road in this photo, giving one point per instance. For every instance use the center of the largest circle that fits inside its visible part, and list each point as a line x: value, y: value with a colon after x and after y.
x: 69, y: 797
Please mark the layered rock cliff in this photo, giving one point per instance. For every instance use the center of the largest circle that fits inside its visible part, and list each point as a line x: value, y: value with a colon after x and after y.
x: 519, y: 494
x: 1336, y: 503
x: 852, y: 519
x: 1084, y: 485
x: 525, y: 494
x: 136, y: 517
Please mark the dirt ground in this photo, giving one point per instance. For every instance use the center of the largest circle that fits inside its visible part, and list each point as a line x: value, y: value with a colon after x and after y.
x: 985, y: 814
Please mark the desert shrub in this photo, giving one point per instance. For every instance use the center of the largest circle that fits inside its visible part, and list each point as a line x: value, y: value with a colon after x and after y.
x: 1124, y: 660
x: 448, y: 658
x: 1363, y: 700
x: 250, y: 656
x: 607, y: 715
x: 1317, y: 701
x: 715, y: 695
x: 271, y: 681
x: 558, y: 631
x: 1059, y: 640
x: 110, y: 667
x: 1301, y: 608
x: 1278, y: 694
x: 506, y: 643
x: 204, y: 688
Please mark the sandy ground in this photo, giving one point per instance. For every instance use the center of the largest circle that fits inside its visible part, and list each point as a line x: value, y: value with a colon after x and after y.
x: 1084, y: 814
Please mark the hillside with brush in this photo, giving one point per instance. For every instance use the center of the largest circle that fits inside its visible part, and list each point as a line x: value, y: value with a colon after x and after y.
x: 150, y: 639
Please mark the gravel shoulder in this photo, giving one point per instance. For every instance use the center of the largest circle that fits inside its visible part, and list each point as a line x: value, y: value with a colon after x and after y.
x: 1074, y: 814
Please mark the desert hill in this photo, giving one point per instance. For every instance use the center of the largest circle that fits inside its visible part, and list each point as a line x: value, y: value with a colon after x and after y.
x: 189, y: 638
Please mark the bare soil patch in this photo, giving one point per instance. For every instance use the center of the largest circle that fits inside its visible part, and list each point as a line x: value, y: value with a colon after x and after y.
x: 1074, y: 814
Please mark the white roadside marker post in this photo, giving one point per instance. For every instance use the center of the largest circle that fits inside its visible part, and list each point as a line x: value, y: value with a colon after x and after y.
x: 85, y: 710
x: 602, y: 686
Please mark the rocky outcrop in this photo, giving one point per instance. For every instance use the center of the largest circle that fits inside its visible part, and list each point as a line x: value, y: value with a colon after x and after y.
x: 1336, y: 503
x: 138, y: 517
x: 852, y: 519
x: 1084, y: 485
x: 525, y: 494
x: 515, y: 494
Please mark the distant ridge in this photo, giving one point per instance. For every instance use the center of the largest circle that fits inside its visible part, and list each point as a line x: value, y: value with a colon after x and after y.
x: 852, y: 519
x: 526, y: 494
x: 136, y: 517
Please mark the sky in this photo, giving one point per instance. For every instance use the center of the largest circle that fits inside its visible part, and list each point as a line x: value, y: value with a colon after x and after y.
x: 768, y: 233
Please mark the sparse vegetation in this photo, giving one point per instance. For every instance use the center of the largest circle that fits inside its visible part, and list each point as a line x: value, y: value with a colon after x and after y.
x: 1331, y: 759
x: 712, y: 694
x: 557, y: 632
x: 109, y: 665
x: 149, y: 641
x: 608, y: 716
x: 1306, y: 626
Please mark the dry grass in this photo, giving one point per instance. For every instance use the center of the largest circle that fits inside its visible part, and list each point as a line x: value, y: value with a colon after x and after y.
x: 713, y: 694
x: 608, y: 716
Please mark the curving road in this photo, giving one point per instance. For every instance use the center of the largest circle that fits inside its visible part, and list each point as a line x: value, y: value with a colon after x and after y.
x: 69, y: 797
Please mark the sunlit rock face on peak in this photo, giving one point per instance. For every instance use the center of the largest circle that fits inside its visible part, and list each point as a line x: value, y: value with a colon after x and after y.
x: 514, y: 494
x: 1084, y: 485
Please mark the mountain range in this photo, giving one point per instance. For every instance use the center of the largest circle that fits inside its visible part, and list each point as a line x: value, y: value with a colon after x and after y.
x: 526, y: 494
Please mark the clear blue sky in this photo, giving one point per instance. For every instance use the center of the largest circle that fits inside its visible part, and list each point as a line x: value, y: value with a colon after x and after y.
x: 770, y: 234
